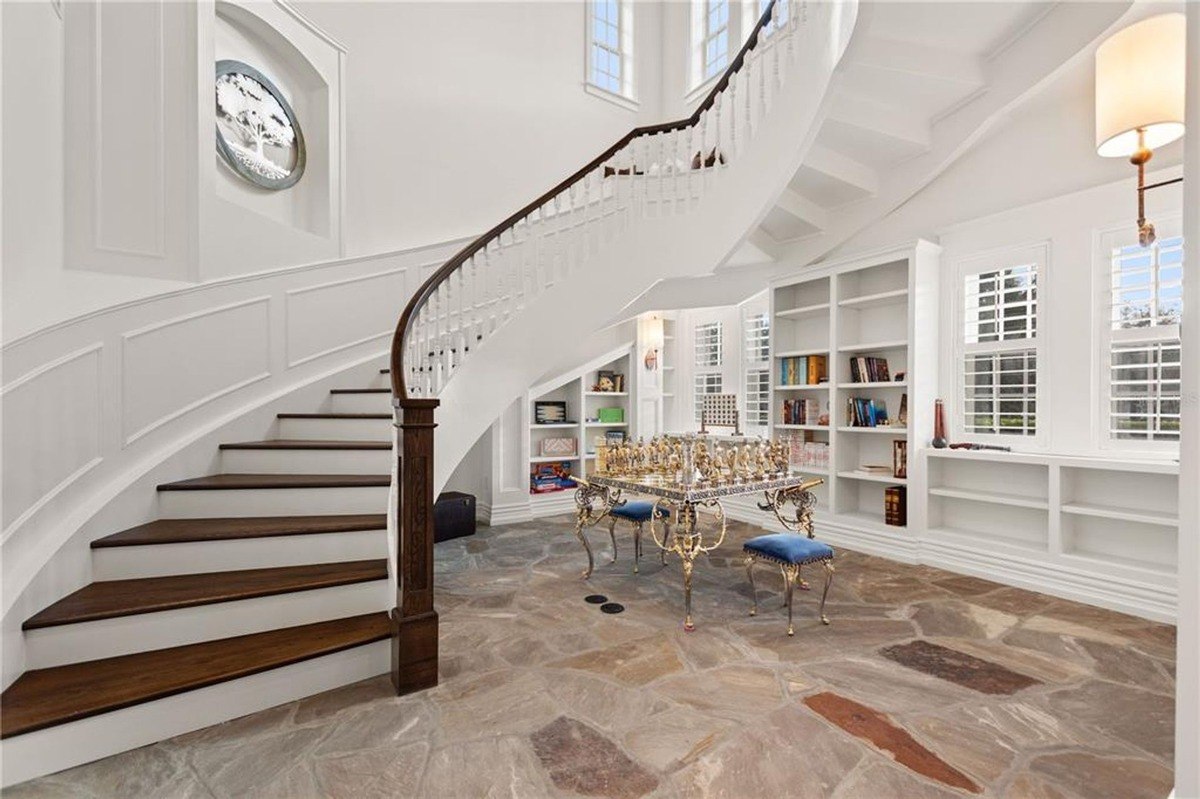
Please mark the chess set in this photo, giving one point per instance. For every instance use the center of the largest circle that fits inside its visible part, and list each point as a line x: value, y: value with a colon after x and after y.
x: 690, y: 461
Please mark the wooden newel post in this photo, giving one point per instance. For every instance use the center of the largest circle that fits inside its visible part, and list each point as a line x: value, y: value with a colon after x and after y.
x: 414, y: 621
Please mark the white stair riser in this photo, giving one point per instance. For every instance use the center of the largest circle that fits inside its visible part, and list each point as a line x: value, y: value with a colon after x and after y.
x: 361, y: 403
x: 56, y: 748
x: 337, y: 429
x: 272, y: 502
x: 124, y: 563
x: 306, y: 461
x: 143, y: 632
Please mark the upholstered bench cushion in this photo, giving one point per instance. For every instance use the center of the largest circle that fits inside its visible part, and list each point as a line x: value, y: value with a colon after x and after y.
x: 637, y: 511
x: 788, y: 548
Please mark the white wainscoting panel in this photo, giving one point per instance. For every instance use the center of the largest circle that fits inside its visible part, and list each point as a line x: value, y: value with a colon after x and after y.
x: 335, y: 316
x: 51, y: 418
x: 238, y: 353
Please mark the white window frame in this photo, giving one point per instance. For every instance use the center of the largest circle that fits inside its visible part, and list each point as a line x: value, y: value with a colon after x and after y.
x: 700, y: 80
x: 756, y: 361
x: 1121, y: 235
x: 1037, y: 255
x: 705, y: 383
x: 626, y: 97
x: 708, y: 367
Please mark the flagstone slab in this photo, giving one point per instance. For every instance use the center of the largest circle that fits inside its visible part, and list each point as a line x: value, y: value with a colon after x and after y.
x: 958, y: 667
x: 870, y: 725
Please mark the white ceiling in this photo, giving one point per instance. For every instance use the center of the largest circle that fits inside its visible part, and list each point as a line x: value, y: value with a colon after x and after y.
x: 969, y: 28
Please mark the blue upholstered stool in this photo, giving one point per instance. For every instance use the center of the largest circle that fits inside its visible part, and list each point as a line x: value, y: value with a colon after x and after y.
x: 790, y: 551
x: 637, y: 514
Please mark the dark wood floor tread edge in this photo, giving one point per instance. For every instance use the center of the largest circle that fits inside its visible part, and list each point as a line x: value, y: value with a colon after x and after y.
x: 313, y: 445
x: 121, y: 540
x: 204, y: 682
x: 333, y: 415
x: 282, y: 481
x: 34, y: 623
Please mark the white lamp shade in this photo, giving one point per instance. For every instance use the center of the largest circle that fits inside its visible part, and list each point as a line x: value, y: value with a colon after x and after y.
x: 1140, y: 84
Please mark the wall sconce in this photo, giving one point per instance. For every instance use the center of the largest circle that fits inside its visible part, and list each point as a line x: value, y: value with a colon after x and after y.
x: 654, y: 340
x: 1140, y: 98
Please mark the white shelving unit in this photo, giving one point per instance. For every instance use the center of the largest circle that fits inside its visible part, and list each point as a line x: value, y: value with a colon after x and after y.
x: 576, y: 390
x: 1099, y: 530
x: 882, y: 305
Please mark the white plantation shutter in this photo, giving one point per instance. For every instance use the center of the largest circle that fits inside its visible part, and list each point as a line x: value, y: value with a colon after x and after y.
x: 1142, y: 376
x: 706, y: 383
x: 1000, y: 350
x: 757, y: 369
x: 758, y: 398
x: 758, y: 338
x: 710, y: 357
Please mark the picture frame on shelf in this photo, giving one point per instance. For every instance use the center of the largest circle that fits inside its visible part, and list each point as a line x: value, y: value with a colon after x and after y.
x: 549, y: 412
x: 558, y: 447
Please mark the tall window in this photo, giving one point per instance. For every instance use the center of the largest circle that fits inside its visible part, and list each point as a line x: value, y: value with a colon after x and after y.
x: 758, y: 372
x: 714, y: 46
x: 1142, y: 386
x: 782, y: 10
x: 610, y: 46
x: 709, y: 359
x: 1000, y: 350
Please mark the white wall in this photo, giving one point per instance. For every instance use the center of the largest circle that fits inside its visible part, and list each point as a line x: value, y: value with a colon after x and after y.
x: 456, y: 114
x: 461, y: 113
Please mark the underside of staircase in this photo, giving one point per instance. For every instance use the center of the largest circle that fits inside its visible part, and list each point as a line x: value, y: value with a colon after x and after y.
x: 261, y: 584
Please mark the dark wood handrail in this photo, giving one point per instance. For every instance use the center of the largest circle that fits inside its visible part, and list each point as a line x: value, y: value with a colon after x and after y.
x: 399, y: 385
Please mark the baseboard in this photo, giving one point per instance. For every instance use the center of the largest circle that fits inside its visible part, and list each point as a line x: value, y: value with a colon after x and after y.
x: 509, y: 513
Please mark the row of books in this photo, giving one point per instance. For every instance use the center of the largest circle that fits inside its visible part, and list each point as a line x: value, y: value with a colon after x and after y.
x: 866, y: 412
x: 547, y: 477
x: 895, y: 506
x: 803, y: 370
x: 869, y: 370
x: 801, y: 411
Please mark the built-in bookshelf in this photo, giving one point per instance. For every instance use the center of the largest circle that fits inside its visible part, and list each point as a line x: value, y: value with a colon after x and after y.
x: 881, y: 307
x: 586, y: 404
x: 1099, y: 530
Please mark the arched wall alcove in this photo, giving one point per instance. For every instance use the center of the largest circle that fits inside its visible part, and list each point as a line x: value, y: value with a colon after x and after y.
x: 245, y: 227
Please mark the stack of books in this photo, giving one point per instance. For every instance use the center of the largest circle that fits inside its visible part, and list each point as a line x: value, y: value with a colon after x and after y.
x: 895, y: 506
x: 805, y: 370
x: 866, y: 412
x: 806, y: 411
x: 869, y: 370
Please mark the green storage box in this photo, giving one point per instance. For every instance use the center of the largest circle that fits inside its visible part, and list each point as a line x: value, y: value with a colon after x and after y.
x: 611, y: 415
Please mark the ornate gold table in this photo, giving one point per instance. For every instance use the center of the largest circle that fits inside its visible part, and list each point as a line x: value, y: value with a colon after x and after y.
x: 598, y: 495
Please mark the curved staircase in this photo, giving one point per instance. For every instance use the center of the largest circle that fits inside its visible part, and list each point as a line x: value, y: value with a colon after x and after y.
x: 259, y: 585
x: 271, y: 580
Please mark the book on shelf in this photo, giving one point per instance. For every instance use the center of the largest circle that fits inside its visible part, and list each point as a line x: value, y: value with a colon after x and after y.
x: 866, y: 412
x: 547, y: 477
x: 895, y: 506
x: 803, y: 370
x: 866, y: 369
x: 875, y: 468
x: 803, y: 452
x: 801, y: 411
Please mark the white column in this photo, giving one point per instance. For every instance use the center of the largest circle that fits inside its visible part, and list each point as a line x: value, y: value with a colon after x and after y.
x: 1187, y: 651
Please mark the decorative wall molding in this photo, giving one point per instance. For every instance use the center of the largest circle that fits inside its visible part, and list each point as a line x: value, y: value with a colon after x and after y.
x: 252, y: 348
x: 30, y: 485
x: 357, y: 310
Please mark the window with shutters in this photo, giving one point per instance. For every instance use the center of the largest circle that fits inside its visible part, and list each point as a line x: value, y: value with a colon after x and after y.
x: 757, y: 371
x: 1141, y: 307
x: 999, y: 349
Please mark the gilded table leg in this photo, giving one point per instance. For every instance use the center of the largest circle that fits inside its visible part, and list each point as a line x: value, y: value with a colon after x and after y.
x: 612, y: 535
x: 828, y: 579
x: 687, y: 593
x: 579, y: 522
x: 637, y: 545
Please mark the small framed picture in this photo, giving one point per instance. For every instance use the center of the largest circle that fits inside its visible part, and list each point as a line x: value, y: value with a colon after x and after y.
x: 899, y: 459
x: 549, y: 412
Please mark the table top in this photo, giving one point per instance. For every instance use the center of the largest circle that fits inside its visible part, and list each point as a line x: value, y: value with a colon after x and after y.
x: 659, y: 486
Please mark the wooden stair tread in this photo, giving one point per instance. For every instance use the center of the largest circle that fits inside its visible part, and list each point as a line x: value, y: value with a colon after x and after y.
x: 176, y: 531
x: 301, y: 443
x: 47, y: 697
x: 360, y: 391
x: 217, y: 482
x: 109, y: 599
x: 333, y: 415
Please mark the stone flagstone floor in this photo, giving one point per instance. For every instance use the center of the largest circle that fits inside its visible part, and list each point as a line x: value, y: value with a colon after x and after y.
x: 927, y: 685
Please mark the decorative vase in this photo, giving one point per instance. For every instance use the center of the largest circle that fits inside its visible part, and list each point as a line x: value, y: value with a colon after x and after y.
x: 939, y: 425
